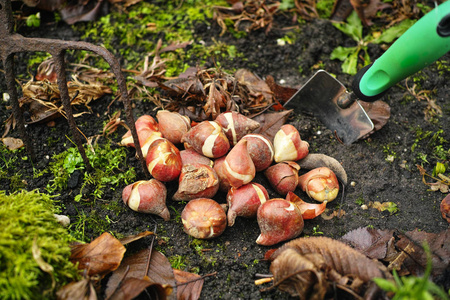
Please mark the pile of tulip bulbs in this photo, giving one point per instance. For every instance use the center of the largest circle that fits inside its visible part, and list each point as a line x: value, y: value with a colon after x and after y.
x: 225, y: 155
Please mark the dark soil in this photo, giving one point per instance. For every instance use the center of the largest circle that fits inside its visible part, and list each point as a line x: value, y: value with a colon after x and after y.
x: 235, y: 256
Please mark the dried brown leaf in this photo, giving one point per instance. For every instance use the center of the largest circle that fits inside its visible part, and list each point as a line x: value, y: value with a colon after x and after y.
x: 131, y: 288
x: 189, y: 285
x: 135, y: 266
x: 338, y: 256
x: 372, y: 242
x: 12, y: 143
x: 439, y: 244
x: 379, y: 112
x: 300, y: 275
x: 80, y: 290
x: 329, y: 214
x: 271, y: 122
x: 132, y: 238
x: 99, y: 257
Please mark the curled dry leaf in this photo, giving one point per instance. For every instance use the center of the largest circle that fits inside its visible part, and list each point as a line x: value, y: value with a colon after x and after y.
x: 271, y: 122
x: 308, y: 266
x: 372, y: 242
x: 99, y: 257
x: 12, y: 143
x: 83, y: 289
x: 135, y: 266
x: 189, y: 285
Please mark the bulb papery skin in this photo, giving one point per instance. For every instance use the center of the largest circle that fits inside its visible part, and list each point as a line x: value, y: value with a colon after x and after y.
x: 236, y: 125
x: 208, y: 139
x: 245, y: 201
x: 288, y: 145
x: 308, y: 210
x: 279, y: 220
x: 173, y: 125
x: 224, y: 183
x: 163, y: 160
x: 321, y: 184
x: 283, y: 177
x: 147, y: 196
x: 196, y: 181
x: 146, y: 126
x: 189, y: 156
x: 203, y: 218
x: 238, y: 166
x: 260, y: 150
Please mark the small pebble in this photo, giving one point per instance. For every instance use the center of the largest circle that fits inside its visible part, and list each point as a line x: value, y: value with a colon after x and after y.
x: 352, y: 183
x: 62, y: 219
x: 364, y: 207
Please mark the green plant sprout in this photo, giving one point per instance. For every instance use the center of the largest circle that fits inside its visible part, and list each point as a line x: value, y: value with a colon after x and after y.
x: 354, y: 29
x: 412, y: 287
x: 315, y: 231
x: 34, y: 20
x: 106, y: 163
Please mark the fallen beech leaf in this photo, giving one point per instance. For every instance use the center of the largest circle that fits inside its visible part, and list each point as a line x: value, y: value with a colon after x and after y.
x: 254, y: 83
x: 271, y: 122
x: 132, y: 238
x: 379, y: 112
x: 135, y: 266
x: 83, y: 289
x: 12, y: 143
x: 131, y: 288
x: 100, y: 256
x: 280, y: 93
x: 372, y: 242
x: 306, y: 266
x: 416, y: 261
x: 308, y: 210
x: 300, y: 275
x: 189, y: 285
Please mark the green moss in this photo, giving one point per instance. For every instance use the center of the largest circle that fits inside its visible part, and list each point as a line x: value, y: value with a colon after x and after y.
x: 27, y: 221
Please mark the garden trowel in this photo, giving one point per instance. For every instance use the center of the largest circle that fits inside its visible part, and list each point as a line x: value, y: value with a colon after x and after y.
x: 326, y: 98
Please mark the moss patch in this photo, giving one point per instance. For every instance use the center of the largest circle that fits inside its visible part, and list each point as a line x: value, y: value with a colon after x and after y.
x: 27, y: 223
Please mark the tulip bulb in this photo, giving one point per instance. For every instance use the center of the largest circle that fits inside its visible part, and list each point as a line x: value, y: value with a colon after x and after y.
x: 163, y: 160
x: 245, y: 201
x: 196, y: 181
x: 236, y: 125
x: 283, y: 177
x: 224, y: 183
x: 203, y: 218
x: 320, y: 184
x: 288, y: 144
x: 207, y: 138
x: 145, y: 127
x: 190, y: 156
x: 260, y: 150
x: 173, y: 125
x: 238, y: 166
x: 147, y: 197
x: 279, y: 220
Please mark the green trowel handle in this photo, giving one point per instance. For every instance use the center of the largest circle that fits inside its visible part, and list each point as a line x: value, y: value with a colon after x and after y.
x: 425, y: 42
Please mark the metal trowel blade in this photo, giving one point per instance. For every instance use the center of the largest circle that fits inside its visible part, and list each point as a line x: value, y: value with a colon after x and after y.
x: 320, y: 95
